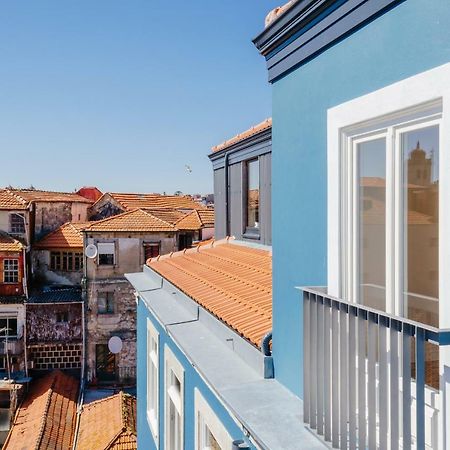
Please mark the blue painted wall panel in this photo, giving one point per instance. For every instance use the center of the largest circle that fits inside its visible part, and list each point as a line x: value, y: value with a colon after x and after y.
x: 191, y: 381
x: 409, y: 39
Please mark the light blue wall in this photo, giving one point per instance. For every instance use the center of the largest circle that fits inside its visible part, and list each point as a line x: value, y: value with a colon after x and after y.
x: 411, y: 38
x: 191, y: 381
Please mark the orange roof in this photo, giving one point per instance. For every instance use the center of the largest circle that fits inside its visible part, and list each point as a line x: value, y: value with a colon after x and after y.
x: 46, y: 420
x: 109, y: 423
x: 231, y: 281
x: 277, y: 12
x: 266, y: 124
x: 8, y: 200
x: 34, y: 195
x: 196, y: 220
x: 151, y: 201
x: 136, y: 220
x: 171, y: 216
x: 68, y: 235
x: 9, y: 244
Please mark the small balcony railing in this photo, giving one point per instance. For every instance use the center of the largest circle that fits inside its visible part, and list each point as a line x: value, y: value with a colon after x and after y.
x: 369, y: 376
x: 11, y: 346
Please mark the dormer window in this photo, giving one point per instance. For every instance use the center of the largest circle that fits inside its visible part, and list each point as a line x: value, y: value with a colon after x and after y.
x: 252, y: 224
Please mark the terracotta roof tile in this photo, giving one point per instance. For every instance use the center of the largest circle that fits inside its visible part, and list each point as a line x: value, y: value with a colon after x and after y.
x: 68, y: 235
x: 109, y: 423
x: 171, y: 216
x: 11, y: 201
x: 35, y: 195
x: 277, y: 12
x: 46, y: 420
x: 136, y: 220
x: 231, y: 281
x: 9, y: 244
x: 196, y: 220
x: 153, y: 201
x: 266, y: 124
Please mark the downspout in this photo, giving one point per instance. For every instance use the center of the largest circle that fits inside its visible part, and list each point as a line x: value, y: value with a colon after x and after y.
x: 83, y: 307
x: 25, y: 288
x: 269, y: 371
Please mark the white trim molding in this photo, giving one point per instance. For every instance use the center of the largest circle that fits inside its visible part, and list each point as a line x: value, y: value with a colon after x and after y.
x: 153, y: 380
x: 173, y: 396
x: 422, y: 98
x: 206, y: 419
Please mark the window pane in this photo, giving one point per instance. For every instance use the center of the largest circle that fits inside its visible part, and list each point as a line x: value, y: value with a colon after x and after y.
x: 211, y: 443
x: 372, y: 223
x: 420, y: 225
x: 253, y: 194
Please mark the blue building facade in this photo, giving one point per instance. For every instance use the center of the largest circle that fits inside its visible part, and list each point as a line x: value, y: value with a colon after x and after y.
x: 342, y: 72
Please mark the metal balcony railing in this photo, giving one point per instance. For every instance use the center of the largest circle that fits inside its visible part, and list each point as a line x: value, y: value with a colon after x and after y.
x: 126, y: 374
x: 366, y: 375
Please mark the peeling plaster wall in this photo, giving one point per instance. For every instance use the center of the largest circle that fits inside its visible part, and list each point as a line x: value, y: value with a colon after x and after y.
x: 122, y: 322
x: 43, y: 274
x: 42, y: 326
x: 4, y: 223
x: 51, y: 215
x: 129, y: 252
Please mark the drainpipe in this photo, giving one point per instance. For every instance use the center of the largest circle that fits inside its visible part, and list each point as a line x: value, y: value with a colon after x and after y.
x: 268, y: 360
x: 25, y: 287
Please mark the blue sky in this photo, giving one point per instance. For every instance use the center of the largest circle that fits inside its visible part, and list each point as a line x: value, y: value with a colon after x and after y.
x: 123, y: 93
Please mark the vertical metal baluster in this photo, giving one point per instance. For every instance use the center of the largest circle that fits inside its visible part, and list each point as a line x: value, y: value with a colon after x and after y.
x: 335, y: 374
x: 406, y: 374
x: 306, y: 356
x: 320, y: 365
x: 420, y: 388
x: 327, y: 369
x: 313, y: 373
x: 372, y: 342
x: 352, y: 377
x: 362, y: 383
x: 343, y: 401
x: 394, y: 386
x: 383, y: 386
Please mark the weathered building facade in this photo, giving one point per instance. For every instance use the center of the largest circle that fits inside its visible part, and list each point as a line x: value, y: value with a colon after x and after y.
x: 123, y: 244
x: 55, y: 330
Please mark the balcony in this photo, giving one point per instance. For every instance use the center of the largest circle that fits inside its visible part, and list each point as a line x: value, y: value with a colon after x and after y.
x: 371, y: 380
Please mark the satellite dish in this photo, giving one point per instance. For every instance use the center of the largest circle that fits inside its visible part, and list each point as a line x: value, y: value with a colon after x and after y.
x: 91, y: 251
x: 115, y: 344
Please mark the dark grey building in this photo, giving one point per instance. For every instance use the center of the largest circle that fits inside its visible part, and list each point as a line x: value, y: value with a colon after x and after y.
x: 242, y: 185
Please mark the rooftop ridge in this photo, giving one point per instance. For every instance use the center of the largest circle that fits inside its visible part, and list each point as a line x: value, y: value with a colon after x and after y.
x: 195, y: 249
x: 157, y: 218
x: 255, y: 129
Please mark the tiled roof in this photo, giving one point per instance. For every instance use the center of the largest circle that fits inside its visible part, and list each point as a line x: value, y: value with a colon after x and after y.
x: 9, y: 244
x: 61, y: 295
x: 68, y: 235
x: 196, y: 220
x: 152, y: 201
x: 136, y: 220
x: 233, y: 282
x: 171, y: 216
x: 11, y: 201
x: 109, y: 423
x: 34, y: 195
x: 46, y: 420
x: 277, y: 12
x: 266, y: 124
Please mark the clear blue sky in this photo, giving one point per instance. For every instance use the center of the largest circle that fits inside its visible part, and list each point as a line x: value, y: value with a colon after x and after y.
x: 123, y: 93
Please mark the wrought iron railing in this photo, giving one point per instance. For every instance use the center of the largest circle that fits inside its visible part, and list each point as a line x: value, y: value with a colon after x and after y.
x: 366, y: 374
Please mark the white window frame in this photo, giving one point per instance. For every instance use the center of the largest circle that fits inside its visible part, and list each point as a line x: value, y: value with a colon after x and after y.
x: 205, y: 418
x: 102, y: 250
x: 14, y: 271
x: 412, y: 98
x: 172, y: 365
x: 152, y: 370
